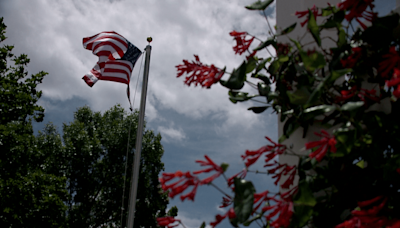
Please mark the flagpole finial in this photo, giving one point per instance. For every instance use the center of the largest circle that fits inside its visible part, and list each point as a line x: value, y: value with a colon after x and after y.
x: 149, y: 39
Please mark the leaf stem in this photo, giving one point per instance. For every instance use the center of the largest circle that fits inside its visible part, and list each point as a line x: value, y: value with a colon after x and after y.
x: 215, y: 186
x: 270, y: 29
x: 258, y: 101
x: 254, y: 86
x: 259, y: 223
x: 182, y: 224
x: 251, y: 171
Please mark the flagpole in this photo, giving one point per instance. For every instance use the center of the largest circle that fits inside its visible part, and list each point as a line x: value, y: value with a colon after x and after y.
x: 139, y: 137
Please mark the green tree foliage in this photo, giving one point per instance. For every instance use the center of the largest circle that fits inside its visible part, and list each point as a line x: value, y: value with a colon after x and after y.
x: 29, y: 196
x: 95, y: 153
x: 75, y: 180
x: 18, y: 92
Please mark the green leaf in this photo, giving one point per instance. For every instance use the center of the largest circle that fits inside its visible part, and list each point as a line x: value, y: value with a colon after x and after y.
x: 361, y: 164
x: 339, y: 16
x: 328, y: 80
x: 238, y: 76
x: 337, y: 74
x: 288, y: 29
x: 251, y: 65
x: 258, y: 110
x: 291, y: 111
x: 262, y: 77
x: 243, y: 201
x: 274, y: 67
x: 341, y: 37
x: 328, y: 11
x: 262, y: 64
x: 290, y: 126
x: 265, y: 44
x: 330, y: 117
x: 224, y: 166
x: 272, y: 95
x: 367, y: 139
x: 259, y: 5
x: 330, y: 24
x: 346, y: 137
x: 352, y: 105
x: 301, y: 216
x: 263, y: 89
x: 296, y: 43
x: 172, y: 212
x: 282, y: 138
x: 378, y: 120
x: 203, y: 225
x: 298, y: 97
x: 313, y: 61
x: 238, y: 96
x: 305, y: 195
x: 337, y: 154
x: 313, y: 27
x: 318, y: 110
x: 248, y: 222
x: 283, y: 58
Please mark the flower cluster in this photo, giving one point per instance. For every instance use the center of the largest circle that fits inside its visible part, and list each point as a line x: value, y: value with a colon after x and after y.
x: 361, y: 93
x: 302, y: 85
x: 368, y: 216
x: 394, y: 81
x: 283, y: 207
x: 351, y: 61
x: 185, y: 180
x: 226, y: 201
x: 242, y: 174
x: 357, y: 10
x: 242, y: 44
x: 199, y: 73
x: 218, y: 218
x: 327, y: 142
x: 213, y: 167
x: 260, y: 198
x: 301, y: 14
x: 390, y: 61
x: 168, y: 221
x: 282, y: 169
x: 271, y: 152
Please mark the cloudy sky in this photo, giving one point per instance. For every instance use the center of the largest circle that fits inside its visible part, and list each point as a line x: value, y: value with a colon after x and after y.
x: 192, y: 121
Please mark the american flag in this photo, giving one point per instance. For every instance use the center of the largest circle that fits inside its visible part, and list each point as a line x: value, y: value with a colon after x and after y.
x: 117, y: 57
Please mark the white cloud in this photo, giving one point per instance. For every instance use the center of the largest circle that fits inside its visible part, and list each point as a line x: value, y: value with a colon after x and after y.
x: 190, y: 222
x: 193, y: 121
x: 221, y: 210
x: 171, y: 134
x: 51, y: 33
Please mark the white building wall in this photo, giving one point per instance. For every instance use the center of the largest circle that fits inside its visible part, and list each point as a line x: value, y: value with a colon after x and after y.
x: 285, y: 16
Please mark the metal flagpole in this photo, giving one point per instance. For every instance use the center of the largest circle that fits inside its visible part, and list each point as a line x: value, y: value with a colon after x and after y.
x: 139, y: 137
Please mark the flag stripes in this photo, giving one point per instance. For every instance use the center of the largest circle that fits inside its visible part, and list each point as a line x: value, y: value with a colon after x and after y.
x: 117, y: 57
x: 117, y: 70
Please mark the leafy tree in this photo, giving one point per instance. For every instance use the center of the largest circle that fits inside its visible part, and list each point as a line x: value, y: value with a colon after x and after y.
x: 30, y: 197
x: 75, y: 180
x: 94, y: 161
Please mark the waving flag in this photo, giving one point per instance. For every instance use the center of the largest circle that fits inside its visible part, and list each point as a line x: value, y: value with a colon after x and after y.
x: 117, y: 57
